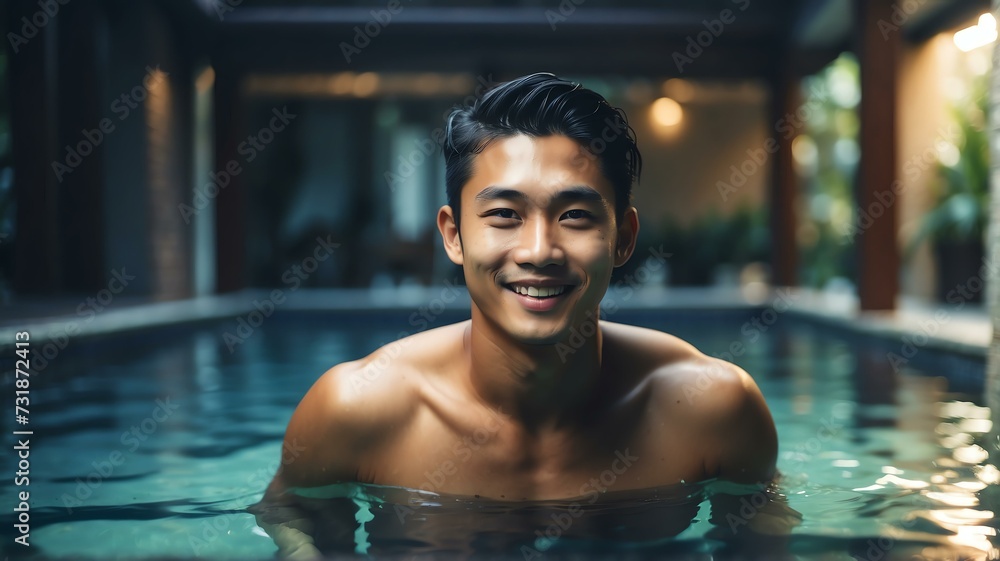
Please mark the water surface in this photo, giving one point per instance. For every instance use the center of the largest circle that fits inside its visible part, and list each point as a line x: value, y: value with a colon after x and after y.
x: 155, y: 444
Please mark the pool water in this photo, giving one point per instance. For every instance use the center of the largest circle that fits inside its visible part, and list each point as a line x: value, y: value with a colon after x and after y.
x: 155, y: 443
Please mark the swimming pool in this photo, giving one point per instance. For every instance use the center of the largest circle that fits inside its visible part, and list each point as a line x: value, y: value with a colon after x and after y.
x: 154, y: 443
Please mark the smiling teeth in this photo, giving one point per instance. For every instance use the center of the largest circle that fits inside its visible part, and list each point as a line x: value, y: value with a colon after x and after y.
x: 539, y: 292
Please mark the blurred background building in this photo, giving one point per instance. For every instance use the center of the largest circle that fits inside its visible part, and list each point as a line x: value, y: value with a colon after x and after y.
x: 204, y: 146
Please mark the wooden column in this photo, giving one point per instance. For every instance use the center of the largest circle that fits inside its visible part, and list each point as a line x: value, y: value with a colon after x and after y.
x: 230, y: 204
x: 82, y: 107
x: 785, y: 99
x: 878, y: 251
x: 32, y: 115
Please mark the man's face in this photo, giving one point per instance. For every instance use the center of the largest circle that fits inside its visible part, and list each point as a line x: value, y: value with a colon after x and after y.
x: 538, y: 235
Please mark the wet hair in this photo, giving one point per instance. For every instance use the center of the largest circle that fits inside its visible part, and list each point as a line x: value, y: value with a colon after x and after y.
x: 542, y: 104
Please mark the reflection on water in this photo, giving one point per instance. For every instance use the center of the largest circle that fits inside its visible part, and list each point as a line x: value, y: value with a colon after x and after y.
x: 381, y: 520
x: 929, y: 510
x: 877, y: 463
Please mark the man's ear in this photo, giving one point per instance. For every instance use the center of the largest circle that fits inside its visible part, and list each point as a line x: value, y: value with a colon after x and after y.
x: 450, y: 235
x: 628, y: 233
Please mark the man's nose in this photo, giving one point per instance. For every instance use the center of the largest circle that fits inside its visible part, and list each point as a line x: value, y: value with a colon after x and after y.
x: 539, y: 244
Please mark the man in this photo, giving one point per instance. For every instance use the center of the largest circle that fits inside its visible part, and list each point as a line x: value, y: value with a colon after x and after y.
x: 533, y: 398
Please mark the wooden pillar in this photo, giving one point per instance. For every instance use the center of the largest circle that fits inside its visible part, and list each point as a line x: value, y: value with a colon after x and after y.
x: 878, y: 251
x: 784, y: 184
x: 230, y: 204
x: 82, y: 107
x: 32, y: 120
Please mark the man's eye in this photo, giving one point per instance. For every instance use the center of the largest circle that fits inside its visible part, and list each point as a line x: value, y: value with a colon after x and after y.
x: 577, y: 214
x: 502, y: 213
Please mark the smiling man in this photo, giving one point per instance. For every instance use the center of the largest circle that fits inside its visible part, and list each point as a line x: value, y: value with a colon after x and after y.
x: 539, y: 179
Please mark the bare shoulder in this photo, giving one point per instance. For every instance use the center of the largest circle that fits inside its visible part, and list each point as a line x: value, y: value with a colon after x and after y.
x: 383, y: 387
x: 354, y: 407
x: 717, y: 400
x: 678, y: 368
x: 335, y: 424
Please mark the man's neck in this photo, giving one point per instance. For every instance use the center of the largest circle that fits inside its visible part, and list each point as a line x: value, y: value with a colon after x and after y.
x: 539, y: 387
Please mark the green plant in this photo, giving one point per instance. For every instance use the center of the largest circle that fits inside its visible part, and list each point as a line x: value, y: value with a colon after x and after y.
x: 697, y: 249
x: 961, y: 211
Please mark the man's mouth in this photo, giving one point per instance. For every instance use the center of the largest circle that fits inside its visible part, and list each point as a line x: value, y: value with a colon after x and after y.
x: 539, y: 292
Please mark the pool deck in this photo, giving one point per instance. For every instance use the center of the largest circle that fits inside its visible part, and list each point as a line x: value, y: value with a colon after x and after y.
x: 956, y: 328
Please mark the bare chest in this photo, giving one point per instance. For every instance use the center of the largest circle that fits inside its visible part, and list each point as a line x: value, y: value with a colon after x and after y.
x: 625, y: 450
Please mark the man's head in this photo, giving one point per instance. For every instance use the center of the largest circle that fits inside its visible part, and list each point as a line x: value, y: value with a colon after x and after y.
x: 541, y: 170
x: 542, y: 105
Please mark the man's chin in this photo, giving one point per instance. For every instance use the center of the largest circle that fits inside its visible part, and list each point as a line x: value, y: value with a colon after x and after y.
x: 541, y: 341
x: 541, y: 335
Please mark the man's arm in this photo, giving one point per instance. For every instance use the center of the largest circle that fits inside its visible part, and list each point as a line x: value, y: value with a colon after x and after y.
x: 746, y: 453
x: 748, y: 441
x: 304, y: 461
x: 335, y: 425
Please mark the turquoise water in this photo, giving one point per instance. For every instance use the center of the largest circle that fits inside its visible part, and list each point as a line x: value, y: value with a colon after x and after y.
x: 154, y: 444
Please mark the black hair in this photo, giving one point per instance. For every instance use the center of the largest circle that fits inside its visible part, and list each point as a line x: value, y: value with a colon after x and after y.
x: 542, y: 104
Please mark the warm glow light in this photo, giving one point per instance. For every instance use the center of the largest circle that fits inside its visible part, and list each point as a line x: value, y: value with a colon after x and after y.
x: 365, y: 84
x: 667, y: 112
x: 804, y: 151
x: 983, y: 33
x: 679, y: 89
x: 205, y: 79
x: 427, y: 83
x: 900, y: 482
x: 960, y: 517
x: 954, y: 499
x: 976, y: 425
x: 341, y: 83
x: 973, y: 454
x: 988, y: 474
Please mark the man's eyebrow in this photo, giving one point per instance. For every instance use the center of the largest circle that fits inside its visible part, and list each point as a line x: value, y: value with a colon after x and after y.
x: 493, y: 193
x: 579, y: 193
x: 574, y: 193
